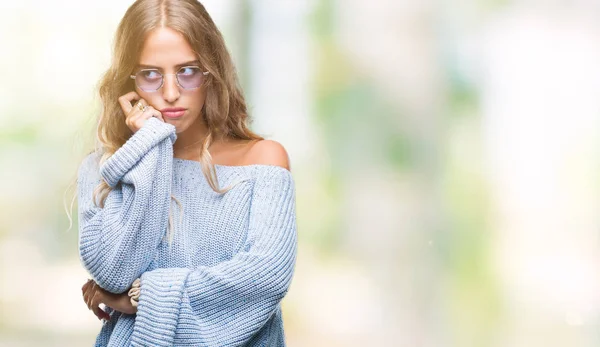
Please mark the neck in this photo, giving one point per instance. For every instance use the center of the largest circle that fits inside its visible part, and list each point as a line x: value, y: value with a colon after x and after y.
x: 191, y: 139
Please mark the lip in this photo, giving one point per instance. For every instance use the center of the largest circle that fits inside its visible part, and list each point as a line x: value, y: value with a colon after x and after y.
x: 173, y: 112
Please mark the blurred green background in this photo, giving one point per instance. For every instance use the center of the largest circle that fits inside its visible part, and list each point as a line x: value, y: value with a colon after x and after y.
x: 445, y: 153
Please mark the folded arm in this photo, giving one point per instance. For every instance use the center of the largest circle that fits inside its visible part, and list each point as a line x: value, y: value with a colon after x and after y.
x: 118, y: 242
x: 226, y: 304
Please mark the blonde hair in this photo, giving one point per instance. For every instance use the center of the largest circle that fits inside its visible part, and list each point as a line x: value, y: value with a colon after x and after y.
x: 224, y: 111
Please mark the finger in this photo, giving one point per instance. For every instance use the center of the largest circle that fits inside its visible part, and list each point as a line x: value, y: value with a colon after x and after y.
x: 85, y: 286
x: 96, y: 300
x: 142, y: 112
x: 141, y: 105
x: 88, y: 282
x: 90, y: 295
x: 100, y: 313
x: 138, y: 112
x: 86, y: 295
x: 144, y: 116
x: 126, y: 99
x: 155, y: 113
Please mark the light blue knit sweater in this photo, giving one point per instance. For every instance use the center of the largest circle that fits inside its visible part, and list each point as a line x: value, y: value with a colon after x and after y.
x: 231, y: 261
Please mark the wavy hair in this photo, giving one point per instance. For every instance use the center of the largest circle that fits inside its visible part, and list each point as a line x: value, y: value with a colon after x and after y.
x: 224, y: 112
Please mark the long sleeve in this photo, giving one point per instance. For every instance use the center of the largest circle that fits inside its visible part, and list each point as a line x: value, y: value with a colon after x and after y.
x: 118, y: 242
x: 226, y: 304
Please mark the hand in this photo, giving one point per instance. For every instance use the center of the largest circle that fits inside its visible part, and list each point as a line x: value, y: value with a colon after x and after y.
x: 134, y: 116
x: 89, y: 292
x: 93, y: 296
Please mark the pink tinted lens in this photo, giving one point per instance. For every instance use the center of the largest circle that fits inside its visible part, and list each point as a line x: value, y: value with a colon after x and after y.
x: 190, y: 77
x: 148, y: 79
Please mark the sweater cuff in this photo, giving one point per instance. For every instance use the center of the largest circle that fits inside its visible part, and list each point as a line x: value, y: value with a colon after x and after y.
x: 149, y: 135
x: 158, y: 307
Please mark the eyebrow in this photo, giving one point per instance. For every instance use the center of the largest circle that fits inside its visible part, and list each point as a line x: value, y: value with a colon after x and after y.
x: 187, y: 63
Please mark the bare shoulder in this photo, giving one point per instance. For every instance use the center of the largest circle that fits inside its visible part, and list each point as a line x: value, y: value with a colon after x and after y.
x: 268, y: 152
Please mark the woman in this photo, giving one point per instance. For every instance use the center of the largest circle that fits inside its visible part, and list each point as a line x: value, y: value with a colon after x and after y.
x: 176, y: 259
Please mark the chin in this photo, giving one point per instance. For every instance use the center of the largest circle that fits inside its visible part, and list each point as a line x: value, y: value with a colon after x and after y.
x: 172, y: 121
x: 179, y: 126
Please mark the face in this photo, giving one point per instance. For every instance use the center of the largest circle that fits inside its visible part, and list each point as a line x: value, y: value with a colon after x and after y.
x: 167, y: 51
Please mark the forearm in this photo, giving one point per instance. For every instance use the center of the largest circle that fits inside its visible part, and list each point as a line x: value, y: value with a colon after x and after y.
x: 118, y: 241
x: 227, y: 303
x: 121, y: 303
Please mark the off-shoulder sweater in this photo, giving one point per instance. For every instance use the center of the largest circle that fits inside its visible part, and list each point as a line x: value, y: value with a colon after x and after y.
x: 221, y: 279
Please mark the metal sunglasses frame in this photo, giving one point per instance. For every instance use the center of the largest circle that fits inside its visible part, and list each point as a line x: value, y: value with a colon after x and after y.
x: 162, y: 80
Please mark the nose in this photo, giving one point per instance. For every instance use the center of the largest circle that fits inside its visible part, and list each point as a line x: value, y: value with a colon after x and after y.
x: 170, y: 88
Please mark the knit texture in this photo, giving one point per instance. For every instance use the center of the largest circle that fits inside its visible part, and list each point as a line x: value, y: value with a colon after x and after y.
x: 231, y: 261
